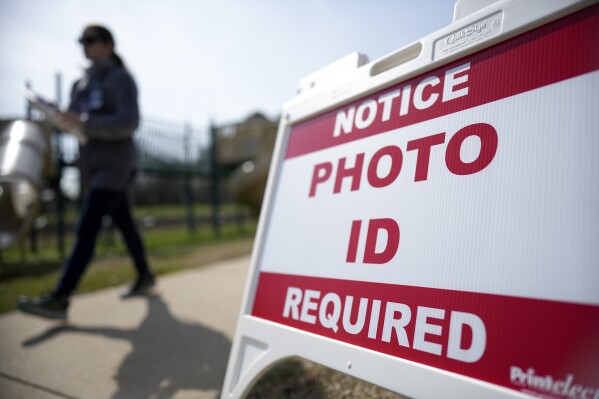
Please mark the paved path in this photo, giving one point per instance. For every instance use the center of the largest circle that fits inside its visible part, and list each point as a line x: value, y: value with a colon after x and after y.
x: 172, y: 345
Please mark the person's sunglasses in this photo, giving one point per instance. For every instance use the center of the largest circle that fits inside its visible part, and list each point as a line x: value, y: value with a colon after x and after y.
x: 87, y: 40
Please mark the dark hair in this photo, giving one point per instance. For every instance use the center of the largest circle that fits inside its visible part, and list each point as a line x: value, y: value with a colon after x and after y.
x: 105, y: 36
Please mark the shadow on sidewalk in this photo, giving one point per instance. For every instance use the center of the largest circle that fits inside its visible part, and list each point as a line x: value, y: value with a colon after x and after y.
x: 168, y: 354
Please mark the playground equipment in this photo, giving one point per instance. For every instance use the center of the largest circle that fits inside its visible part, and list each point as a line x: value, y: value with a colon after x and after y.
x: 24, y: 160
x: 246, y: 149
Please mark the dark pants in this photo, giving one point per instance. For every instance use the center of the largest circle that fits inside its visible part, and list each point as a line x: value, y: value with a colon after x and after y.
x: 98, y: 204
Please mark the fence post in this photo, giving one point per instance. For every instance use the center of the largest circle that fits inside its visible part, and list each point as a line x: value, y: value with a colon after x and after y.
x: 32, y: 231
x: 58, y: 197
x: 189, y: 202
x: 215, y: 176
x: 28, y: 107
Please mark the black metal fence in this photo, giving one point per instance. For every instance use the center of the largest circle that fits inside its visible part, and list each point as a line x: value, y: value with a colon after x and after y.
x: 168, y: 148
x: 164, y: 147
x: 178, y: 165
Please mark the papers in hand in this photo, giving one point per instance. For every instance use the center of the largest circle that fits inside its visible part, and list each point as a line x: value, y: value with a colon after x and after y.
x: 54, y: 115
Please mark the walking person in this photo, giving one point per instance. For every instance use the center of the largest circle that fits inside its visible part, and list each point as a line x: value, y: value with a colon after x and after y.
x: 104, y: 107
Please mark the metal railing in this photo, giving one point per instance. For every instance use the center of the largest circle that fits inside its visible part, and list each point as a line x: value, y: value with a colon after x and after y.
x: 164, y: 148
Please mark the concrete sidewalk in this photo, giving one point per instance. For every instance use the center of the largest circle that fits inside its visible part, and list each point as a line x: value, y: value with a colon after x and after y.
x: 172, y: 345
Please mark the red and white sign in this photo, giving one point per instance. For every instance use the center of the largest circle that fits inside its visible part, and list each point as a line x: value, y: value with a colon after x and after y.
x: 452, y: 219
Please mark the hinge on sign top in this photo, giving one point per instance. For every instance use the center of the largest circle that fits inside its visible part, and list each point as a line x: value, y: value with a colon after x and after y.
x: 336, y: 71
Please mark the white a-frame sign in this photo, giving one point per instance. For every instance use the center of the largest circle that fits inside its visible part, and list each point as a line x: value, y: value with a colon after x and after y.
x: 431, y: 221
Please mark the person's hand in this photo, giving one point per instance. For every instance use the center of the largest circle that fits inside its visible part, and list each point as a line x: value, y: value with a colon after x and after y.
x: 69, y: 121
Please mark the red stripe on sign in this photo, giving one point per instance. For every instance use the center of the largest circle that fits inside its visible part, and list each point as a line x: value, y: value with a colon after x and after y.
x: 557, y: 51
x: 532, y: 345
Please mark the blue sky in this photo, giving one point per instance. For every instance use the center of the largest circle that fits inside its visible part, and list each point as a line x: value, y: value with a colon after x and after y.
x: 196, y: 61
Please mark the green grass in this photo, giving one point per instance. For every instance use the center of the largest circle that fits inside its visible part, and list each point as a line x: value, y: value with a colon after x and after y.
x: 169, y: 250
x: 158, y: 211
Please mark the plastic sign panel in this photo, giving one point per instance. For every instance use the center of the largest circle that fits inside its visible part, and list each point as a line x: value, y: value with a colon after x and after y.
x: 441, y: 229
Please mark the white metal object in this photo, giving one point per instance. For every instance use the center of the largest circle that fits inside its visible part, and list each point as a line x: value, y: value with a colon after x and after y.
x: 24, y: 150
x: 431, y: 217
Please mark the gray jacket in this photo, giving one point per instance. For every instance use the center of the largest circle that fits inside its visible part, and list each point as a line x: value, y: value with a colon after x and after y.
x: 106, y: 99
